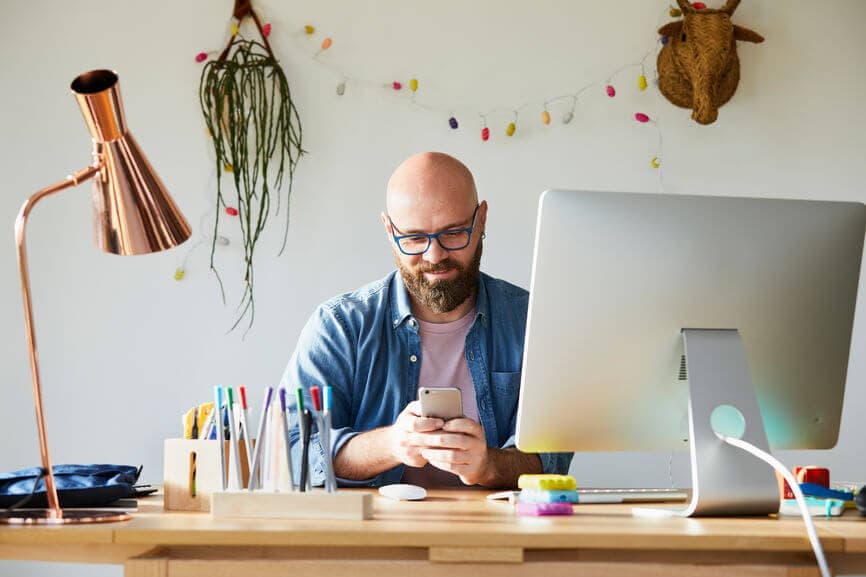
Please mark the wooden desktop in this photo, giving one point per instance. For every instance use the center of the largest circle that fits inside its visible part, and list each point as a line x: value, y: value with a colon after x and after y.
x: 452, y: 533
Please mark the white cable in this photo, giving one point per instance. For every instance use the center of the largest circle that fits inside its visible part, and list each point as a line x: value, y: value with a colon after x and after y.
x: 798, y: 494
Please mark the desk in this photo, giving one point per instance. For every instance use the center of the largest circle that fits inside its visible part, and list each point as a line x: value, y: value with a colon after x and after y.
x: 453, y: 533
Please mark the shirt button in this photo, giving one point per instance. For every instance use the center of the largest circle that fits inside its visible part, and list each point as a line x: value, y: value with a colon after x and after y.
x: 411, y: 322
x: 413, y: 359
x: 471, y: 356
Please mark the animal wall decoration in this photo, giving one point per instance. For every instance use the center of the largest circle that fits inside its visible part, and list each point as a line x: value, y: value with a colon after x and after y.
x: 698, y: 66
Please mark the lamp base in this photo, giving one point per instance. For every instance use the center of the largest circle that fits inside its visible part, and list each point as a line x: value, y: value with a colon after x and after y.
x: 70, y: 516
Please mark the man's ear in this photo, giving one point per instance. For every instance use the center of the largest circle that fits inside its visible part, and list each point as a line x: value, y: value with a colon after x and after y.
x: 384, y: 218
x: 482, y: 216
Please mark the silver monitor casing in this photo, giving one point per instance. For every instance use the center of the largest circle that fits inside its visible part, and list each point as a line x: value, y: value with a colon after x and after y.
x: 616, y: 279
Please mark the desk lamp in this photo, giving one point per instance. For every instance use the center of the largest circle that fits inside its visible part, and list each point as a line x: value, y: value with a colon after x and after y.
x: 132, y: 214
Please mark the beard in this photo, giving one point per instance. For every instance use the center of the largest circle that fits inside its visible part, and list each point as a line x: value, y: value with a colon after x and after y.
x: 442, y: 296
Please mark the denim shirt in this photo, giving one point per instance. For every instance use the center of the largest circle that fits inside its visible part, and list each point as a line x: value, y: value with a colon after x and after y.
x: 365, y: 344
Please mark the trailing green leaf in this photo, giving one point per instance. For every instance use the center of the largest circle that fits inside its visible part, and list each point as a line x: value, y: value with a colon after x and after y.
x: 256, y: 135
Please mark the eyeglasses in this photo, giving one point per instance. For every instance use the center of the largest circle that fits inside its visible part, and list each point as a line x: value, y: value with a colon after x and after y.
x: 419, y: 243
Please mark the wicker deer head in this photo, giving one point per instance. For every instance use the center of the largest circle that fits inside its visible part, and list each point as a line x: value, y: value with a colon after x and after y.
x: 698, y: 67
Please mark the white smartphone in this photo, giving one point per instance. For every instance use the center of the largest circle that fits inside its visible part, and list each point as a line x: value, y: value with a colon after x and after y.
x: 441, y: 402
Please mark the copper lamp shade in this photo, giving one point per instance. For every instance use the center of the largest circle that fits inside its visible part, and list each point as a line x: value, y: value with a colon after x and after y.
x: 133, y: 214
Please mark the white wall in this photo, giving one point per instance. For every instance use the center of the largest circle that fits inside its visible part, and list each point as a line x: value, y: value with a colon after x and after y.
x: 125, y: 349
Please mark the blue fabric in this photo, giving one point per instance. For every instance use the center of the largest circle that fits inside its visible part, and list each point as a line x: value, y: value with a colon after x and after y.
x: 77, y: 485
x: 362, y: 344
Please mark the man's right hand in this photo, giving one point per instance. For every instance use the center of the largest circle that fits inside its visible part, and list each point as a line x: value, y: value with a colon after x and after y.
x: 400, y: 434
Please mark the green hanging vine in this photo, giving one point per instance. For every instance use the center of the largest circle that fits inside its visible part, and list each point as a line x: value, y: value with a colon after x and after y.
x: 256, y: 135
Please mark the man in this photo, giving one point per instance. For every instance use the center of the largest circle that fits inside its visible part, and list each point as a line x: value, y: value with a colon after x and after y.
x: 437, y: 321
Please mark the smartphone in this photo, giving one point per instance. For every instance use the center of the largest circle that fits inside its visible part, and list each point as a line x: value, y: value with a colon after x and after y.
x: 441, y: 402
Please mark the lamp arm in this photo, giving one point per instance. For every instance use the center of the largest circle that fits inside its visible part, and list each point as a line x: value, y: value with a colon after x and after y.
x: 20, y: 224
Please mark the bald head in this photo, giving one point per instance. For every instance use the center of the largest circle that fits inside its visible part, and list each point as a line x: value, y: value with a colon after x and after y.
x: 430, y: 181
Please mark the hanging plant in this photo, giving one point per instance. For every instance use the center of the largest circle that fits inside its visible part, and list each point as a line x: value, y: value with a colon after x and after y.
x: 256, y: 136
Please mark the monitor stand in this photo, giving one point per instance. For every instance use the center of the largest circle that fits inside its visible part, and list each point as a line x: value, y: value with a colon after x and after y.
x: 725, y: 479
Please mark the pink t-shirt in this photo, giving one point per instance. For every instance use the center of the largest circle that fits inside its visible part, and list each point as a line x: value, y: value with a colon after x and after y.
x: 443, y: 364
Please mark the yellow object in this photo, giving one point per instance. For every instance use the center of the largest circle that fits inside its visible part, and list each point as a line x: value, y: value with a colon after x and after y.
x: 309, y: 29
x: 545, y: 116
x: 655, y: 162
x: 511, y: 128
x: 178, y: 274
x: 547, y: 482
x: 674, y: 12
x: 413, y: 84
x: 235, y: 30
x: 204, y: 412
x: 326, y: 43
x: 228, y: 167
x: 641, y: 82
x: 187, y: 423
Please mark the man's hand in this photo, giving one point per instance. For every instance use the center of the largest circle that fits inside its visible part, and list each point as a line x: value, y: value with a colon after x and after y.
x: 407, y: 430
x: 459, y: 448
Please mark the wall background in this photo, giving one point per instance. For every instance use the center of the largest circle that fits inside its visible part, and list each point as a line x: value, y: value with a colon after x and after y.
x: 125, y: 349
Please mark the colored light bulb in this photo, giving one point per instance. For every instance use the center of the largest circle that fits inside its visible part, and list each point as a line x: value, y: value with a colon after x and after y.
x: 326, y: 43
x: 655, y: 162
x: 675, y: 12
x: 663, y: 40
x: 309, y: 29
x: 641, y: 117
x: 485, y: 134
x: 641, y: 82
x: 413, y: 84
x: 510, y: 129
x: 228, y: 167
x: 452, y: 122
x: 396, y: 85
x: 545, y: 116
x: 235, y: 30
x: 611, y: 91
x: 231, y: 211
x: 201, y: 57
x: 178, y: 274
x: 266, y: 29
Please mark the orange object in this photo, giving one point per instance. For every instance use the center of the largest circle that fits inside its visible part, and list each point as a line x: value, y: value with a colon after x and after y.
x: 809, y: 474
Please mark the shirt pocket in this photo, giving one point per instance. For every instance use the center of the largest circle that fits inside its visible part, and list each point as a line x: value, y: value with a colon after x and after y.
x: 506, y: 388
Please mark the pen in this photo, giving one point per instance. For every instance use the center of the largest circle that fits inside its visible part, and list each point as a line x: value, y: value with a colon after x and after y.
x: 218, y: 394
x: 285, y: 420
x: 236, y: 481
x: 252, y: 484
x: 244, y: 432
x: 317, y: 406
x: 194, y: 432
x: 327, y: 398
x: 305, y: 424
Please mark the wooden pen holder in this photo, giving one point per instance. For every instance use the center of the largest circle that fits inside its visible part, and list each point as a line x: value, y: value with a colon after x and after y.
x: 315, y: 504
x: 191, y: 472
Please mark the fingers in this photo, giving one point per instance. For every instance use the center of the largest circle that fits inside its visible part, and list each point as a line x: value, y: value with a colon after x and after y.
x: 446, y: 457
x: 426, y: 424
x: 439, y: 440
x: 413, y: 408
x: 465, y: 426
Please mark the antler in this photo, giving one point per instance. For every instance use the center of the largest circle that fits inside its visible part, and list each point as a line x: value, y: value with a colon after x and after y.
x: 685, y: 6
x: 730, y: 6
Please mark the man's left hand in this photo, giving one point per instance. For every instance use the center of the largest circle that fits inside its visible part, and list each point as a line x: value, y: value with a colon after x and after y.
x: 460, y: 448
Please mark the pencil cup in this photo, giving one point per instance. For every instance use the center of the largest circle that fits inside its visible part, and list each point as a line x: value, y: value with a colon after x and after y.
x: 191, y: 473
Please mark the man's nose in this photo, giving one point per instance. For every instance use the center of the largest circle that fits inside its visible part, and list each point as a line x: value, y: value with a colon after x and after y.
x: 435, y: 253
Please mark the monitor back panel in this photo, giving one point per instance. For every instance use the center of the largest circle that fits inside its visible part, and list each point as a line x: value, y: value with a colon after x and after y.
x: 616, y: 276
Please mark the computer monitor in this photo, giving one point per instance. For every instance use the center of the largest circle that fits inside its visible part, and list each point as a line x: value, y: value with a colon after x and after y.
x: 648, y: 311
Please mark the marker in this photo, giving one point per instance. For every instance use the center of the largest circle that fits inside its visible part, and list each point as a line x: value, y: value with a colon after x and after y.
x: 233, y: 442
x: 304, y: 424
x: 285, y: 420
x: 244, y: 417
x: 253, y: 482
x: 218, y: 398
x: 326, y: 430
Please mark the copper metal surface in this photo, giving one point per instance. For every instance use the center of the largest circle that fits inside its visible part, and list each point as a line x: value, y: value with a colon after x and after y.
x: 133, y: 214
